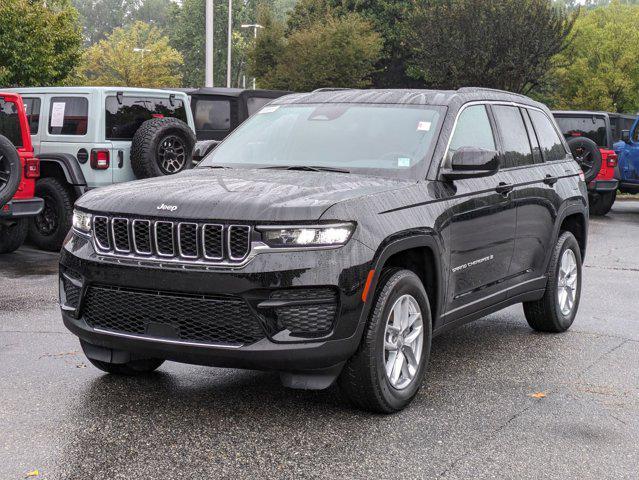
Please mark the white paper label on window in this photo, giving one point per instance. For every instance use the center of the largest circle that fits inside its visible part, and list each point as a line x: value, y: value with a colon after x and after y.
x: 423, y: 126
x: 269, y: 109
x: 57, y: 114
x: 403, y: 162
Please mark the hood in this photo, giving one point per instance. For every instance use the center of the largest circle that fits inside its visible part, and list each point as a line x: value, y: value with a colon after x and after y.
x: 239, y: 194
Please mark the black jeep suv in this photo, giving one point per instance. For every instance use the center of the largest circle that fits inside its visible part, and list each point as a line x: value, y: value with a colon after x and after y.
x: 331, y: 237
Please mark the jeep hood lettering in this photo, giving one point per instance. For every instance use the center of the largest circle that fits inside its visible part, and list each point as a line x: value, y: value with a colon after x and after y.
x: 249, y: 195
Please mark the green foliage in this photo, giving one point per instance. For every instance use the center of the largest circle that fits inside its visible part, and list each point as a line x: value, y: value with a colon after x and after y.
x: 269, y: 45
x: 39, y: 42
x: 507, y: 44
x: 136, y: 56
x: 333, y: 51
x: 602, y: 71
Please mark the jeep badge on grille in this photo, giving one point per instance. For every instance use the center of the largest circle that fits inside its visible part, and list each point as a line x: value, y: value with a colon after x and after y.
x: 170, y: 208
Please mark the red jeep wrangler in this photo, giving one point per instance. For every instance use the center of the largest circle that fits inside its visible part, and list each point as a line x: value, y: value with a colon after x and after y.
x: 15, y: 141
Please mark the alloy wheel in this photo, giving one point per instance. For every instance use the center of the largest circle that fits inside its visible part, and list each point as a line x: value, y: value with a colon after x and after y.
x: 568, y: 278
x: 171, y: 155
x: 403, y: 342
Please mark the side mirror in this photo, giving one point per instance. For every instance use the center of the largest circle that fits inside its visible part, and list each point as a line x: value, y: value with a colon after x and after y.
x: 471, y: 162
x: 625, y: 136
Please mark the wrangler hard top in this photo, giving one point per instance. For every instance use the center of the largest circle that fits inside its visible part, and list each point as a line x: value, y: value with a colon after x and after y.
x: 330, y: 237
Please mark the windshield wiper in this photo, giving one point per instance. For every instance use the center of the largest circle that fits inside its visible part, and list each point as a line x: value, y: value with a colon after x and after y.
x: 307, y: 168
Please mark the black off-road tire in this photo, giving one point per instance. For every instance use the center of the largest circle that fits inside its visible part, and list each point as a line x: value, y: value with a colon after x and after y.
x: 601, y: 206
x: 363, y: 378
x: 545, y: 315
x: 588, y: 156
x: 13, y: 235
x: 148, y: 142
x: 48, y: 229
x: 132, y: 368
x: 10, y: 170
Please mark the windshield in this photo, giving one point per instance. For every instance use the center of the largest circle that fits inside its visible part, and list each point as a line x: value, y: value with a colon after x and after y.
x: 377, y: 139
x: 592, y: 127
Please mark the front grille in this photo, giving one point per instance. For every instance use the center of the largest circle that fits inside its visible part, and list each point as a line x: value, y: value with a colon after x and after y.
x: 172, y: 316
x: 189, y: 241
x: 310, y: 318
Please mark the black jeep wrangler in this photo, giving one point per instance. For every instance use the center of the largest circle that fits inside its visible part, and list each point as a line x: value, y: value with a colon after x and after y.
x: 330, y: 238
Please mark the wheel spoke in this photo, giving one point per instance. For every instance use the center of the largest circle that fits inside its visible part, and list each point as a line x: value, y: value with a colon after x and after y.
x: 397, y: 367
x: 413, y: 335
x: 410, y: 360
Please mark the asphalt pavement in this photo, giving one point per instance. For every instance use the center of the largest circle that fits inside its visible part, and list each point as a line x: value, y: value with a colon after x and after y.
x: 499, y: 401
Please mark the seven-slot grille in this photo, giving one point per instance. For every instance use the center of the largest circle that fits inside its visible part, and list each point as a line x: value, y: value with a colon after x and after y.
x: 165, y: 239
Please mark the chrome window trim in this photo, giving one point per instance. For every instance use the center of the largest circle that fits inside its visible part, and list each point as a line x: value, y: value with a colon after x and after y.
x: 99, y: 246
x: 179, y: 240
x: 248, y: 242
x: 115, y: 246
x: 135, y: 244
x: 222, y: 230
x: 155, y: 234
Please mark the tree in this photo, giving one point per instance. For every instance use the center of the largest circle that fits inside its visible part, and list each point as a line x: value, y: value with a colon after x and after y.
x: 136, y: 56
x: 39, y: 42
x: 602, y: 72
x: 507, y: 44
x: 332, y: 52
x: 100, y: 17
x: 269, y: 44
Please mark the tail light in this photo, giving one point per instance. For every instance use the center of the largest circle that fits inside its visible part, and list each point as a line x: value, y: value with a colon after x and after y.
x: 582, y: 177
x: 99, y: 159
x: 611, y: 160
x: 32, y: 168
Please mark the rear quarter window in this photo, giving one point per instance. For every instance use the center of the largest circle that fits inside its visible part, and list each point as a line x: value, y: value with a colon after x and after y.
x: 123, y: 119
x: 32, y: 107
x: 213, y: 115
x: 255, y: 104
x: 10, y: 122
x: 68, y: 116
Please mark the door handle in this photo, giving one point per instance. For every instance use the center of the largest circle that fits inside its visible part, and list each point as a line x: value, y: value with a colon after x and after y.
x: 504, y: 188
x: 550, y: 180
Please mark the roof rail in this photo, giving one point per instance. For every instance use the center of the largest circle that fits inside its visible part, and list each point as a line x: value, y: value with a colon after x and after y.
x: 486, y: 89
x: 330, y: 89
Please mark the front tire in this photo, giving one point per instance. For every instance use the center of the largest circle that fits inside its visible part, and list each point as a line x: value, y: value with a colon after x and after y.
x: 556, y: 310
x: 49, y: 228
x: 386, y: 372
x: 12, y: 235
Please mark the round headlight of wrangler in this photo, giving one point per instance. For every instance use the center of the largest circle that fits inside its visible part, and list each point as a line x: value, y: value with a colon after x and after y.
x: 307, y: 236
x: 82, y: 221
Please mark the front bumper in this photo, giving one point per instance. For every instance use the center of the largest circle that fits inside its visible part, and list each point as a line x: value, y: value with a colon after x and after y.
x: 603, y: 186
x: 342, y: 270
x: 21, y: 208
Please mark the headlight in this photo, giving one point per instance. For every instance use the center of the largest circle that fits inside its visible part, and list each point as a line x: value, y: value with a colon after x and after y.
x: 307, y: 236
x: 82, y: 221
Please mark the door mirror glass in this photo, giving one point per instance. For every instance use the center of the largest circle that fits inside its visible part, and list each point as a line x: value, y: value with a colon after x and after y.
x: 625, y: 136
x: 472, y: 162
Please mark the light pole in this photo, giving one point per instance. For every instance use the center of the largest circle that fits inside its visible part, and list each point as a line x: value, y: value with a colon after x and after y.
x: 208, y: 64
x: 229, y: 45
x: 254, y: 26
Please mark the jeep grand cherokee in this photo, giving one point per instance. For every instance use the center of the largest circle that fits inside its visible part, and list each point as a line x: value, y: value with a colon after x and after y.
x: 331, y: 237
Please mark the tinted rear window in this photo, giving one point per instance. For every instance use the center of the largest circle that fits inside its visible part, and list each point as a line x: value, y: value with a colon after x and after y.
x: 124, y: 119
x: 514, y: 137
x: 255, y: 104
x: 10, y: 122
x: 32, y: 107
x: 619, y: 124
x: 592, y: 127
x: 549, y: 141
x: 68, y: 116
x: 213, y: 115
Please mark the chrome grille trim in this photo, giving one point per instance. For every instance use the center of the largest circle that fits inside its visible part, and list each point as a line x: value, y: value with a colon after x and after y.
x: 214, y: 251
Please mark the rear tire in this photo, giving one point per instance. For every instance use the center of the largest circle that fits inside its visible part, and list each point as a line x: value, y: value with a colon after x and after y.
x: 602, y: 205
x: 13, y: 235
x: 548, y: 314
x: 364, y: 379
x: 587, y: 154
x: 48, y: 229
x: 132, y: 368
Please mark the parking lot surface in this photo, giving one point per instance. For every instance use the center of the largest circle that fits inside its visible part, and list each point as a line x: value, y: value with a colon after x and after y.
x: 499, y: 400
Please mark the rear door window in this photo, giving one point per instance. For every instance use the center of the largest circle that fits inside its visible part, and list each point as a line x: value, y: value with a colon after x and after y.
x: 68, y: 116
x: 551, y: 146
x: 514, y: 137
x: 213, y: 115
x: 473, y: 129
x: 255, y: 104
x: 32, y: 107
x: 123, y: 119
x: 590, y: 126
x: 10, y: 122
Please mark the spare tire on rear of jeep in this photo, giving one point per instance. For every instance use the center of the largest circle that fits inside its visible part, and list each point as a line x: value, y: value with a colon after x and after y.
x: 10, y: 170
x: 162, y: 146
x: 588, y: 156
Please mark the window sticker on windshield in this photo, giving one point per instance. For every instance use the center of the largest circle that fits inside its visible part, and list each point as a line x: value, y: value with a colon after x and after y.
x: 57, y: 114
x: 423, y: 126
x: 403, y: 162
x: 269, y: 109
